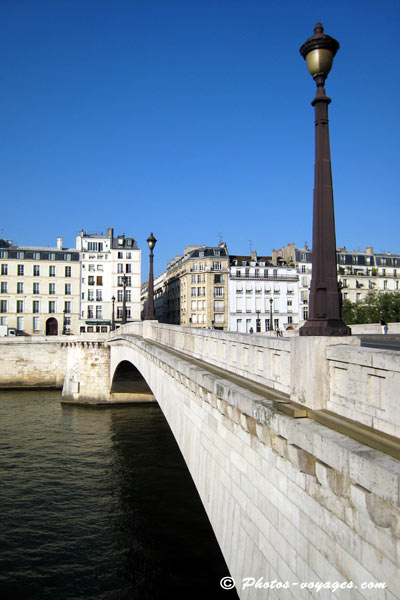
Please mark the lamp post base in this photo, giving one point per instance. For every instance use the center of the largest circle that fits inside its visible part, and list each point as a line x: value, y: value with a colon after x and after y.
x: 325, y: 327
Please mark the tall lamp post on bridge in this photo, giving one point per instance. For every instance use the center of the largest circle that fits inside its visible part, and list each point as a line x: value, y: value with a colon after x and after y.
x: 151, y: 241
x: 324, y: 315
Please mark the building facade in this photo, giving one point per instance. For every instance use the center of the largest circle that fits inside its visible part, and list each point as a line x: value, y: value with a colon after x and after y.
x: 110, y: 268
x: 39, y: 289
x: 195, y: 288
x: 56, y: 290
x: 359, y: 272
x: 261, y: 296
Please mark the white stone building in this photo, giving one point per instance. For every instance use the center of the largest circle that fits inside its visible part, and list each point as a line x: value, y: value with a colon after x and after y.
x: 255, y: 287
x: 359, y: 272
x: 105, y: 260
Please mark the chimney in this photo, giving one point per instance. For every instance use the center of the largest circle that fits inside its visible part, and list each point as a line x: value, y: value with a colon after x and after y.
x: 254, y: 255
x: 59, y: 243
x: 369, y: 250
x: 110, y: 233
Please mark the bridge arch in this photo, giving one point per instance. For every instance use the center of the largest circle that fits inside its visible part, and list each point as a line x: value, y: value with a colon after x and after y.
x: 128, y: 383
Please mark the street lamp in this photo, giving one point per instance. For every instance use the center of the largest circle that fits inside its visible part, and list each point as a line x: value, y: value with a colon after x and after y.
x: 324, y: 315
x: 113, y: 314
x: 151, y: 241
x: 271, y: 323
x: 124, y: 282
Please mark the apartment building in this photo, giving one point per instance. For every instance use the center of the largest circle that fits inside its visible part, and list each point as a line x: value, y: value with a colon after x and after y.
x: 110, y: 268
x: 256, y: 290
x: 195, y: 288
x: 39, y: 288
x: 359, y: 272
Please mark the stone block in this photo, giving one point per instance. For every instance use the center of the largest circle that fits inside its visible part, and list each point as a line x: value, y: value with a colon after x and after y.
x: 302, y: 460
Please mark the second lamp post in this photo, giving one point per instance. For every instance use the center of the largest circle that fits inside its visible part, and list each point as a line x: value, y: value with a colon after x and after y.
x: 151, y: 241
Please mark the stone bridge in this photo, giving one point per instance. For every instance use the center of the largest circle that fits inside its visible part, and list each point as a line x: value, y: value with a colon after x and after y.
x: 293, y: 445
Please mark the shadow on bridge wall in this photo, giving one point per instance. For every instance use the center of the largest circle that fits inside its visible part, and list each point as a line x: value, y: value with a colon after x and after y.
x: 128, y: 381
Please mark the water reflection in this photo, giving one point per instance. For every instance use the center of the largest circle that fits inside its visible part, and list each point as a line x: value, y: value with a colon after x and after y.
x: 98, y: 504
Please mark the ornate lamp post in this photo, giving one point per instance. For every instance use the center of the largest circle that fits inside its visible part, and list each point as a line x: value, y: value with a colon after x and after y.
x: 324, y: 316
x: 271, y: 322
x: 124, y: 282
x: 151, y: 241
x: 113, y: 314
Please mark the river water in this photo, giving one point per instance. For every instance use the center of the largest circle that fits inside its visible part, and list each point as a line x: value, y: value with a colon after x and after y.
x: 99, y: 504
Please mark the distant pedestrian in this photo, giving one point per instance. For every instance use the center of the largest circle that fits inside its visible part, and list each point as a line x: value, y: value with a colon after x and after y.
x: 384, y: 326
x: 251, y: 330
x: 278, y: 331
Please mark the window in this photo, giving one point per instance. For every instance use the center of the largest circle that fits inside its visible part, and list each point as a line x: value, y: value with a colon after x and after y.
x: 20, y: 306
x: 100, y: 268
x: 20, y: 323
x: 99, y: 295
x: 3, y: 306
x: 90, y: 312
x: 305, y: 313
x: 99, y: 312
x: 36, y: 256
x: 219, y: 318
x: 52, y: 306
x: 194, y: 305
x: 52, y: 256
x: 4, y: 287
x: 128, y: 295
x: 193, y: 279
x: 238, y: 275
x: 120, y: 295
x: 193, y: 291
x: 119, y: 312
x: 90, y: 295
x: 20, y: 287
x: 67, y: 271
x: 4, y: 269
x: 120, y: 255
x: 52, y: 271
x: 219, y: 305
x: 128, y: 268
x: 385, y: 284
x: 217, y: 266
x: 3, y: 254
x: 67, y: 256
x: 238, y: 324
x: 99, y: 280
x: 20, y: 269
x: 67, y: 322
x: 36, y: 270
x: 218, y: 279
x: 91, y: 280
x: 92, y: 267
x: 67, y: 306
x: 218, y: 292
x: 52, y: 288
x: 35, y: 323
x: 67, y: 289
x: 20, y: 254
x: 120, y: 268
x: 35, y: 306
x: 266, y: 324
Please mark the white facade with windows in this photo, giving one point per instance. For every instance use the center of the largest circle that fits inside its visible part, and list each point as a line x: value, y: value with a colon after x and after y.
x: 107, y: 262
x: 256, y: 287
x: 359, y: 272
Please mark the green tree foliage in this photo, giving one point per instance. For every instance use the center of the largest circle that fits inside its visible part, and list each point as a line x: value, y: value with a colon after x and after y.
x: 375, y: 306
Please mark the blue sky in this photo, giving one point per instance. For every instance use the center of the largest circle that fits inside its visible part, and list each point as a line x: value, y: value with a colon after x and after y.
x: 192, y: 119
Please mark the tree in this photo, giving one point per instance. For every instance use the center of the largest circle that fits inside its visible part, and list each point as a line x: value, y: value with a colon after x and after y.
x: 375, y: 306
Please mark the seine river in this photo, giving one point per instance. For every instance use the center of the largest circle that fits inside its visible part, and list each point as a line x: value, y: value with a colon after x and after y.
x: 98, y: 504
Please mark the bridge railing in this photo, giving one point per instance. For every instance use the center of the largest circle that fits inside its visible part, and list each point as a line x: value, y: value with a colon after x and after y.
x: 258, y: 357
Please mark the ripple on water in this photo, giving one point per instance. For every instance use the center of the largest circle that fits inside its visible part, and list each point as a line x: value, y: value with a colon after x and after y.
x: 98, y: 505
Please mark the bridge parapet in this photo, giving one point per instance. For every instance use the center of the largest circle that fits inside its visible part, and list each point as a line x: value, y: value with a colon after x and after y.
x: 259, y: 358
